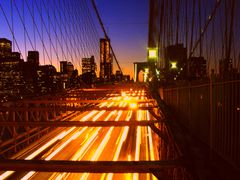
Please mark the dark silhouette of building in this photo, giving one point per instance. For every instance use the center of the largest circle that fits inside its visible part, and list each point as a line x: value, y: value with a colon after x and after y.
x: 106, y: 68
x: 30, y: 69
x: 19, y: 79
x: 67, y: 73
x: 63, y: 67
x: 197, y: 68
x: 70, y: 69
x: 89, y: 70
x: 46, y: 79
x: 11, y: 74
x: 33, y: 57
x: 119, y: 76
x: 66, y: 68
x: 176, y: 62
x: 74, y: 79
x: 5, y: 48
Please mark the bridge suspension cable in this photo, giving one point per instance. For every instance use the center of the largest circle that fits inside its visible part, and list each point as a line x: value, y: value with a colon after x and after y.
x: 60, y: 30
x: 105, y: 33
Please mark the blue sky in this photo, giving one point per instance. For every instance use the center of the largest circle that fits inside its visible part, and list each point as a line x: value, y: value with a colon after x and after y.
x: 126, y: 22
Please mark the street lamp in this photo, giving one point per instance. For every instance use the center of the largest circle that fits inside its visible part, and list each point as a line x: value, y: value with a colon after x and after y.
x: 173, y: 64
x: 152, y: 53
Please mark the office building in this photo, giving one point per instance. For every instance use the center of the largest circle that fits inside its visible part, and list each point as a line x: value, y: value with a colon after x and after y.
x: 66, y: 68
x: 88, y: 65
x: 70, y: 69
x: 89, y: 70
x: 63, y: 67
x: 119, y: 76
x: 5, y: 48
x: 33, y: 57
x: 106, y: 67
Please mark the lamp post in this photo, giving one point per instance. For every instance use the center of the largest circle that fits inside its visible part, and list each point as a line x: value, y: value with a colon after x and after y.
x: 152, y: 59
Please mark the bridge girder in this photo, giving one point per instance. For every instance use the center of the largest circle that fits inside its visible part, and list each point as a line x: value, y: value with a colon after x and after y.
x: 88, y: 166
x: 81, y: 123
x: 69, y: 107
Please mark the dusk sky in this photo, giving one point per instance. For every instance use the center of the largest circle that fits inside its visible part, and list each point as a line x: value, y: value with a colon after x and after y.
x: 126, y: 22
x: 64, y: 31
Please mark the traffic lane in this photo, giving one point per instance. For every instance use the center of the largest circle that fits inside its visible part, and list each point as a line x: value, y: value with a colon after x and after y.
x: 107, y: 138
x: 109, y: 151
x: 87, y: 142
x: 74, y: 146
x: 38, y: 148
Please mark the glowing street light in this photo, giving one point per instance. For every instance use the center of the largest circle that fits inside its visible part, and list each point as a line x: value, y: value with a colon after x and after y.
x: 152, y: 53
x: 173, y: 65
x: 133, y: 105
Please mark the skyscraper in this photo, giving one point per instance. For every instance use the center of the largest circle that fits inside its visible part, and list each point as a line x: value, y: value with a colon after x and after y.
x: 63, y: 67
x: 88, y: 65
x: 5, y: 48
x: 66, y: 68
x: 88, y: 70
x: 33, y: 57
x: 105, y: 60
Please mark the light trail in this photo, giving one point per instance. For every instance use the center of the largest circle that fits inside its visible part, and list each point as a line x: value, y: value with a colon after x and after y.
x: 88, y: 115
x: 123, y: 138
x: 102, y: 104
x: 150, y: 138
x: 91, y: 138
x: 111, y: 104
x: 75, y: 136
x: 31, y: 173
x: 151, y: 149
x: 99, y: 115
x: 88, y: 142
x: 105, y: 140
x: 60, y: 136
x: 81, y: 153
x: 138, y: 142
x: 101, y: 147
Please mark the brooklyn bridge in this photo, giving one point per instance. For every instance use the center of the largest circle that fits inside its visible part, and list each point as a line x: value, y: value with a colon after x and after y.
x: 77, y: 102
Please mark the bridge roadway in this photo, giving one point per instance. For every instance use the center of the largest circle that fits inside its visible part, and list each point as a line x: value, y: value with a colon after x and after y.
x: 97, y: 143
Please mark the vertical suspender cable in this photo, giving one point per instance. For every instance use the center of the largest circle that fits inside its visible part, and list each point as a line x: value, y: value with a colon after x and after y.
x: 177, y: 19
x: 24, y: 32
x: 13, y: 39
x: 34, y: 30
x: 192, y: 26
x: 10, y: 28
x: 200, y: 27
x: 49, y: 33
x: 42, y: 31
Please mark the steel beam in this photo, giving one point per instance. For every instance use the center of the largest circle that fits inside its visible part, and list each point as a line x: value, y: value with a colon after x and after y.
x: 81, y: 123
x: 82, y: 101
x: 69, y: 108
x: 88, y: 166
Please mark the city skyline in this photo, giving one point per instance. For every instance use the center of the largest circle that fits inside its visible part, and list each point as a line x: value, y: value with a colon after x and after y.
x: 120, y: 29
x: 69, y: 109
